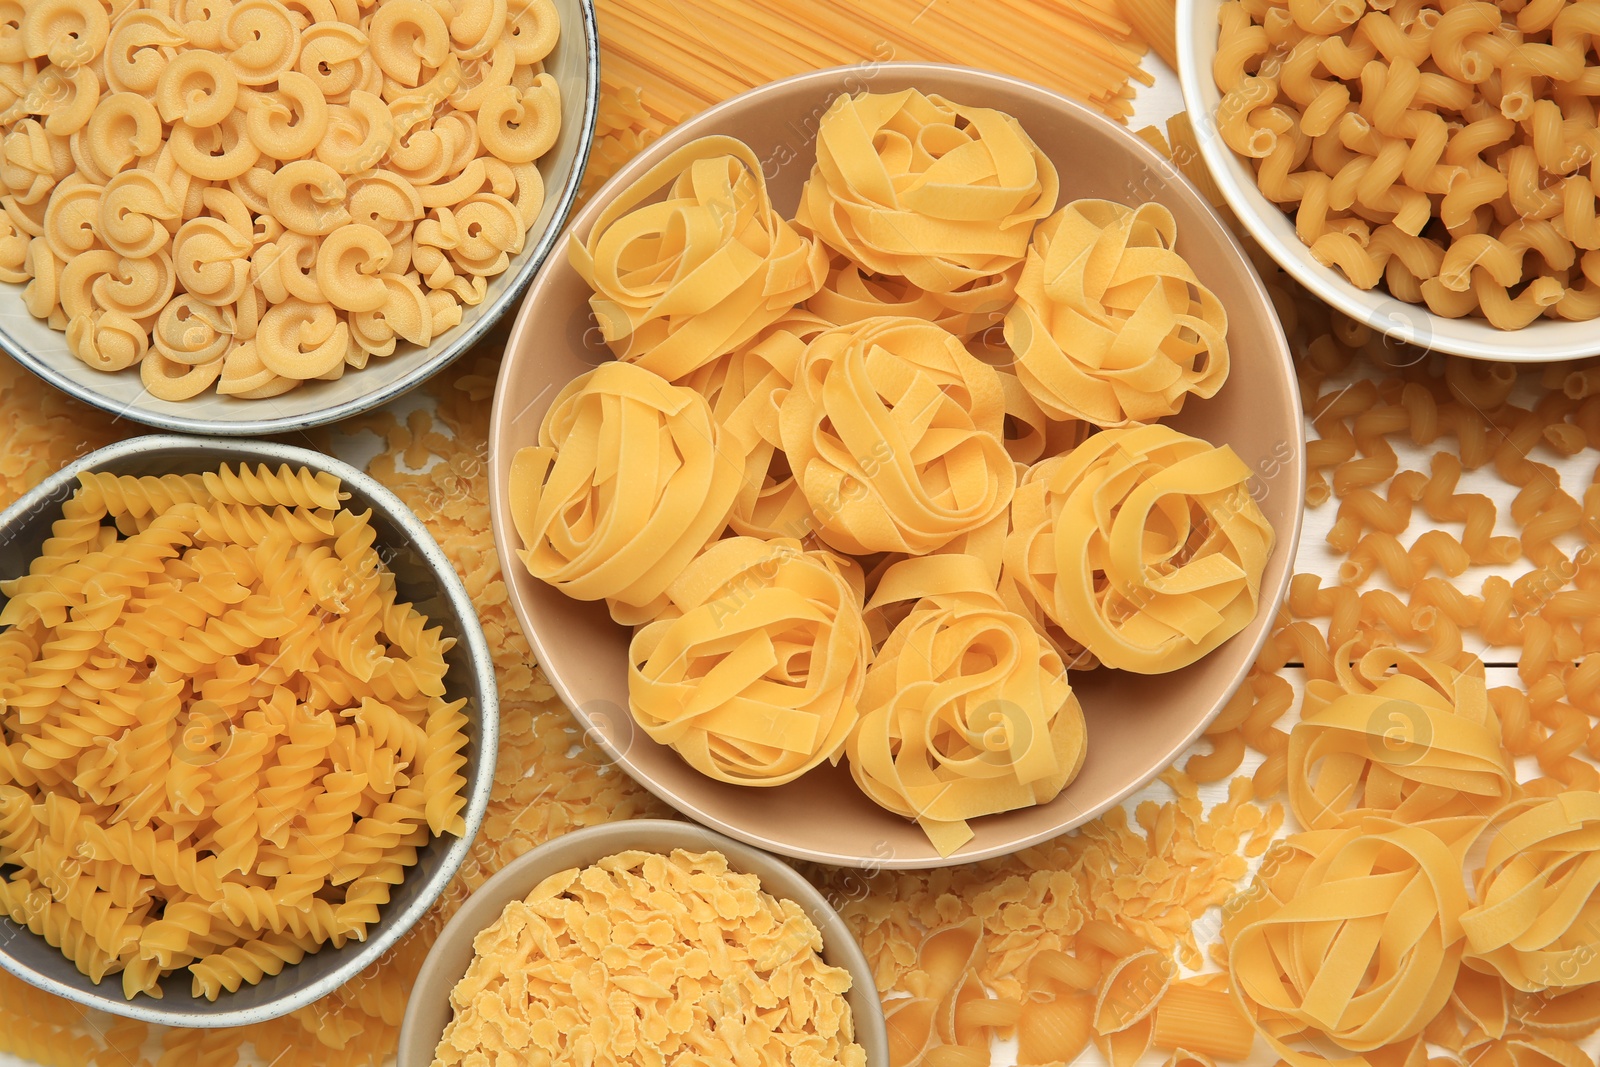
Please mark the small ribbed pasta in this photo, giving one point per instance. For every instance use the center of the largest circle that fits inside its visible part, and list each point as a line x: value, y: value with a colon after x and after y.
x: 224, y: 740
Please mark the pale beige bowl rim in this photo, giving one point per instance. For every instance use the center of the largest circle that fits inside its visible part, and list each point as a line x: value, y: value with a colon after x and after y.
x: 428, y: 1010
x: 1542, y: 341
x: 759, y: 832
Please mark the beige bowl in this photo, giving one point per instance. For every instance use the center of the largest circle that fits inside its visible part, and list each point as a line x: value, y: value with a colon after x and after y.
x: 428, y: 1011
x: 1137, y: 724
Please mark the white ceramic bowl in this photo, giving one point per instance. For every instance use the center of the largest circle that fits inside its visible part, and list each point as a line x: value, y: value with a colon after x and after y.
x: 423, y: 576
x: 575, y: 64
x: 1543, y: 341
x: 428, y: 1011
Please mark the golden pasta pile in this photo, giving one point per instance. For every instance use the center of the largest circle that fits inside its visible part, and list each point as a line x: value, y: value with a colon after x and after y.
x: 1440, y: 149
x: 252, y: 196
x: 645, y: 957
x: 851, y: 399
x: 225, y: 739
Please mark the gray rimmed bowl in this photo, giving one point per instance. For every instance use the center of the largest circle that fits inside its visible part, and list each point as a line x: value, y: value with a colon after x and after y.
x: 429, y: 1011
x: 424, y: 576
x: 575, y: 64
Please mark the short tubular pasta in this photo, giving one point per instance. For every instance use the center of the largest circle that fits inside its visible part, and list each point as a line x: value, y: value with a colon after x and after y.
x: 337, y: 181
x: 1142, y: 546
x: 176, y: 793
x: 1105, y: 328
x: 759, y: 634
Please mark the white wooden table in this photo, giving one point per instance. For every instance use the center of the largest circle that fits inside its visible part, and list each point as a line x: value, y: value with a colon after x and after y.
x: 1154, y: 106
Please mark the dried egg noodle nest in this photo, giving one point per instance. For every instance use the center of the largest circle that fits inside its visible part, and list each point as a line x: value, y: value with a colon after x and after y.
x: 754, y: 670
x: 645, y: 958
x: 851, y: 295
x: 967, y: 710
x: 941, y: 194
x: 1354, y: 933
x: 680, y: 282
x: 895, y: 435
x: 1538, y: 894
x: 1104, y: 327
x: 260, y: 196
x: 630, y: 480
x: 1142, y: 545
x: 1416, y: 745
x: 225, y: 739
x: 744, y: 389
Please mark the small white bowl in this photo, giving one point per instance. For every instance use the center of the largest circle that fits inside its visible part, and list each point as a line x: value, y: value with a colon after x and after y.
x: 428, y: 1011
x: 1542, y: 341
x: 575, y: 65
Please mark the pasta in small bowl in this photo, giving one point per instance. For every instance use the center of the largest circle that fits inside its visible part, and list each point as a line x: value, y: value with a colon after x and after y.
x: 258, y: 218
x: 926, y: 480
x: 249, y: 729
x: 1413, y: 166
x: 646, y: 893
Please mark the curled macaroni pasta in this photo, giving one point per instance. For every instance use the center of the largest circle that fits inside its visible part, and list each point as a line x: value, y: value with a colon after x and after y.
x: 893, y: 431
x: 921, y: 187
x: 754, y: 672
x: 1112, y: 326
x: 682, y: 281
x: 335, y: 180
x: 630, y: 480
x: 966, y: 710
x: 1142, y: 545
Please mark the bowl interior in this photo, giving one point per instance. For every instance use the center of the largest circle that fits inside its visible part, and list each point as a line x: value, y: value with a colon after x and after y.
x: 575, y: 64
x: 428, y: 1012
x: 1542, y: 341
x: 1136, y: 725
x: 424, y: 576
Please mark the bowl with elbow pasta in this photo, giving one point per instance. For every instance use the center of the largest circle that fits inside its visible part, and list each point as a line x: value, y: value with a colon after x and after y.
x: 255, y: 219
x: 901, y: 466
x: 250, y: 726
x: 1421, y: 167
x: 501, y: 970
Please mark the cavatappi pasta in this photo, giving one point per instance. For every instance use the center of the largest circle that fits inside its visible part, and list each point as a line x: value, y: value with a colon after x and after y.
x: 225, y: 737
x: 1438, y: 149
x: 644, y: 957
x: 799, y: 480
x: 248, y: 197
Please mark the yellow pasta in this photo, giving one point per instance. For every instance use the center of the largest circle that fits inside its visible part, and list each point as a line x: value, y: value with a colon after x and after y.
x: 1141, y: 546
x: 680, y: 957
x: 1395, y: 894
x: 1437, y: 151
x: 943, y: 742
x: 893, y: 431
x: 343, y: 178
x: 1199, y: 1022
x: 592, y: 534
x: 683, y: 281
x: 754, y: 671
x: 922, y: 188
x: 1105, y: 328
x: 184, y: 783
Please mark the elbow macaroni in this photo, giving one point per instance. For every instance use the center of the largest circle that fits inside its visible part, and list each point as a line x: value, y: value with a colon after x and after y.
x: 1442, y: 153
x: 377, y: 163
